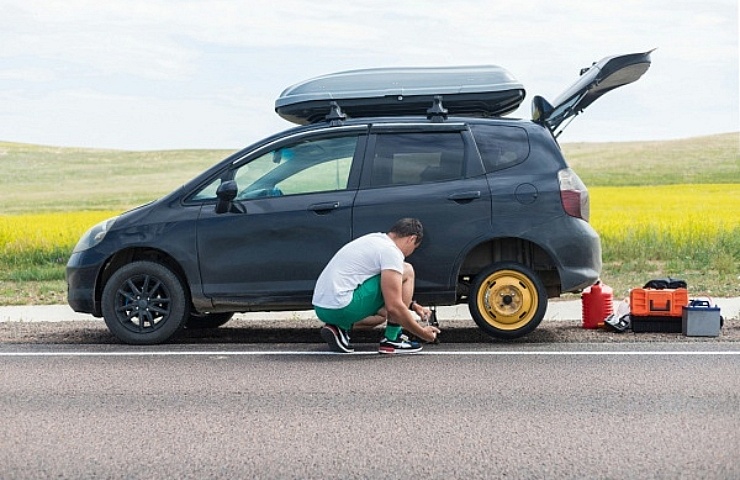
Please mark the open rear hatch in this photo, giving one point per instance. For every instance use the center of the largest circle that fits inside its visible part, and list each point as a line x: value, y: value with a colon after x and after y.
x: 596, y: 80
x: 485, y: 91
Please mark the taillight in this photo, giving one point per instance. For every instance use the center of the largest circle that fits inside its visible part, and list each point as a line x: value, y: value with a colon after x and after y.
x: 574, y: 194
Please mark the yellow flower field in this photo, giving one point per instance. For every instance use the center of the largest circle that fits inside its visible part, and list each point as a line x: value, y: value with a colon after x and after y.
x: 692, y: 223
x: 709, y: 207
x: 44, y: 237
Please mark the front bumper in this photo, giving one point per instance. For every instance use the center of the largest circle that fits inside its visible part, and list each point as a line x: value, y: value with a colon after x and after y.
x: 82, y: 280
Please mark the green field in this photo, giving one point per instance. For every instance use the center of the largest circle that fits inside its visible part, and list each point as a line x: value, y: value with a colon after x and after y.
x: 686, y: 226
x: 712, y: 159
x: 50, y: 179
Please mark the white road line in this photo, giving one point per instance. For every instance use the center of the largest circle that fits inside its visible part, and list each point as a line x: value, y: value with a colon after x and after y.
x: 310, y: 353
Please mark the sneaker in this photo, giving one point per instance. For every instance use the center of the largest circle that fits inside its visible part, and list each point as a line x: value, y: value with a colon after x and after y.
x: 403, y: 337
x: 400, y: 345
x: 337, y: 339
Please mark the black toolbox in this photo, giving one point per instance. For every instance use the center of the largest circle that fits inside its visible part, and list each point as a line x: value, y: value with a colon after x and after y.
x: 655, y: 324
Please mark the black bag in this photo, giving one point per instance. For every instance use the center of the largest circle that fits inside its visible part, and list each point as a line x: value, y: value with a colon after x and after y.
x: 663, y: 283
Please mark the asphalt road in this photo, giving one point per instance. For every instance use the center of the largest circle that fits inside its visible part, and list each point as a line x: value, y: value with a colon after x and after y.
x: 459, y: 410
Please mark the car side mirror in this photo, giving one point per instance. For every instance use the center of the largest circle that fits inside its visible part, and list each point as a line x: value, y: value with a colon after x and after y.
x: 226, y: 193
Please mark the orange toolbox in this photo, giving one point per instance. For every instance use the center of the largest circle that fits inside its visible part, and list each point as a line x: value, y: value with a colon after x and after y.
x: 650, y: 302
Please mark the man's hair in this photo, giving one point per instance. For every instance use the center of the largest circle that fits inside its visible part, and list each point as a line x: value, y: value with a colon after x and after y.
x: 406, y: 227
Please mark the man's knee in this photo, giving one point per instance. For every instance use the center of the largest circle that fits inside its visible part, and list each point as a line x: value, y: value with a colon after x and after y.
x: 408, y: 271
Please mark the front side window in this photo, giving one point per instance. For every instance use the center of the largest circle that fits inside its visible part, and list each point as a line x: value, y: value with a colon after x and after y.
x: 414, y: 158
x: 308, y: 166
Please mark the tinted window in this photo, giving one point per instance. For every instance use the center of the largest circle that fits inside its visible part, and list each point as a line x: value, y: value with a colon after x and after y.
x: 305, y: 167
x: 499, y: 146
x: 412, y: 158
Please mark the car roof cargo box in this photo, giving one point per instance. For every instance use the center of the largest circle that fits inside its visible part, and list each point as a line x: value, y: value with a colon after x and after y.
x: 482, y: 91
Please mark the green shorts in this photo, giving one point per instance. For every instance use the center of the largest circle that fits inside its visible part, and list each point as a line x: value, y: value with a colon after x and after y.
x: 367, y: 299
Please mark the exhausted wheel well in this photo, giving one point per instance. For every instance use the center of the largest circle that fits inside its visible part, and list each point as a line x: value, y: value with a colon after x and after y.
x: 509, y: 250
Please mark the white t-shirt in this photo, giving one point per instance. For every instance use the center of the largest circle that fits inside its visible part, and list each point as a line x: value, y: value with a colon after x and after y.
x: 354, y: 263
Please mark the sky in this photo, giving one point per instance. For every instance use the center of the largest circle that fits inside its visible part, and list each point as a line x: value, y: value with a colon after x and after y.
x: 168, y: 74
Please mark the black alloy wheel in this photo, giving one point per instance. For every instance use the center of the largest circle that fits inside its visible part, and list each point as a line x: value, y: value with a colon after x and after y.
x: 144, y: 303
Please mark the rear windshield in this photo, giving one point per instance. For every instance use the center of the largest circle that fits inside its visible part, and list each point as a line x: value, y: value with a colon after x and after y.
x: 500, y: 146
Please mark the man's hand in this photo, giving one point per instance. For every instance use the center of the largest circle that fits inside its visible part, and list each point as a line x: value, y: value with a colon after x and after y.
x: 423, y: 312
x: 430, y: 333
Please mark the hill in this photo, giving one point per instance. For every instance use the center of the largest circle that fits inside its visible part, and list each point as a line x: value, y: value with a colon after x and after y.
x: 709, y: 159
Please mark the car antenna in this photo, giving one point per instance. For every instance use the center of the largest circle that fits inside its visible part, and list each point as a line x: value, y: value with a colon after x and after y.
x: 335, y: 116
x: 437, y: 113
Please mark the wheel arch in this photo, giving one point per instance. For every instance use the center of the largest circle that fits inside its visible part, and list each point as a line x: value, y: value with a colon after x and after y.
x: 128, y: 255
x: 509, y: 249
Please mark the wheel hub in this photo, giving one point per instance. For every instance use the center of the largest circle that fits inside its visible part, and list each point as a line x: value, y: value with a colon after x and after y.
x: 505, y: 300
x: 143, y: 303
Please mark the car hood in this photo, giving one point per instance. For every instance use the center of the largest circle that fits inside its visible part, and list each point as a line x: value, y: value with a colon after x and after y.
x: 601, y: 77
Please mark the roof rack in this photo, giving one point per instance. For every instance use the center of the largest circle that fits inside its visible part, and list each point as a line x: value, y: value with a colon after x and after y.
x: 335, y: 117
x: 437, y: 113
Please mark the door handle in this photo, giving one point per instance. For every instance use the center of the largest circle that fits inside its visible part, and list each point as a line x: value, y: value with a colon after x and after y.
x: 324, y: 207
x: 464, y: 196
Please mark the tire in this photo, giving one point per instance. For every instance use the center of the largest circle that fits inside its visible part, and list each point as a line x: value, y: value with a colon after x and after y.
x: 207, y: 320
x: 508, y: 300
x: 144, y: 303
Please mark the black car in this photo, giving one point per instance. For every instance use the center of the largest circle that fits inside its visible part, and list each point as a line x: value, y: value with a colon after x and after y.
x: 505, y: 218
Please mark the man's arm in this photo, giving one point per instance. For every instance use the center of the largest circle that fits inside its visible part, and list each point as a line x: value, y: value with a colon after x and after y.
x: 391, y: 284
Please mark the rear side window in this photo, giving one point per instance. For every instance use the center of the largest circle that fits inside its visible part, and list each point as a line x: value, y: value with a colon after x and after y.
x: 500, y: 146
x: 414, y: 158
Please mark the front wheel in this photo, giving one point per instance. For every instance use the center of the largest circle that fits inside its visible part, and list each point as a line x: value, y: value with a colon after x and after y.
x: 144, y: 303
x: 508, y: 300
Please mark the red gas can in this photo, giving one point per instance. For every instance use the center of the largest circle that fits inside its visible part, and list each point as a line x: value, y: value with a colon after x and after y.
x: 598, y: 303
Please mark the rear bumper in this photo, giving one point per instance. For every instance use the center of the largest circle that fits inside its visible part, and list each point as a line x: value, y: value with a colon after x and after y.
x: 582, y: 261
x: 576, y: 249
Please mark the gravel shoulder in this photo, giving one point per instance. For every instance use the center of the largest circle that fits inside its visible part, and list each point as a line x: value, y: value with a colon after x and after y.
x: 58, y: 324
x: 307, y: 331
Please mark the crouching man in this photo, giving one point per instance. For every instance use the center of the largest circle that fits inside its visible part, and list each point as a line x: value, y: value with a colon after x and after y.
x: 368, y: 281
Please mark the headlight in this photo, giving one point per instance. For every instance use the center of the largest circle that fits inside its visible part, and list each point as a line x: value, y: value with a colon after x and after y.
x: 95, y: 235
